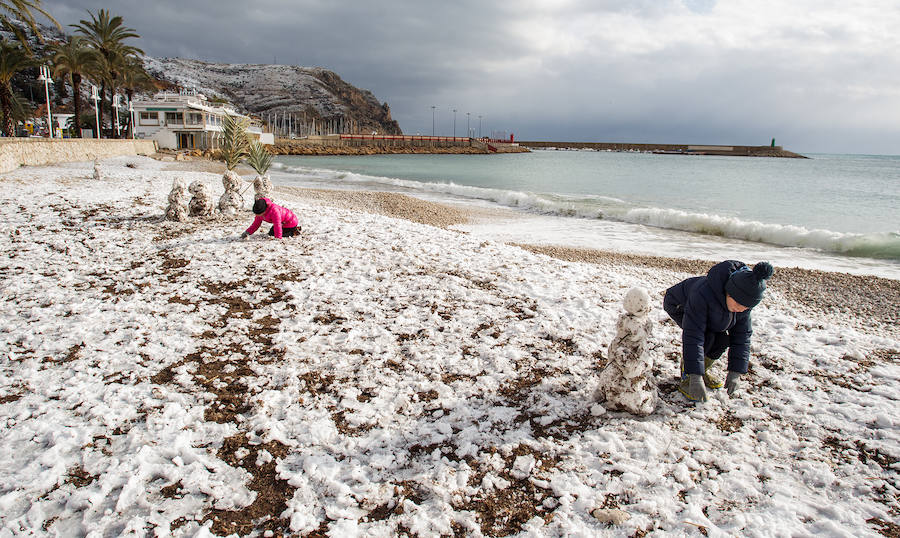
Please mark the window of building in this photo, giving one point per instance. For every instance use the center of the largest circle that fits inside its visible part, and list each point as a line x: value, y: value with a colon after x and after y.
x: 149, y: 118
x: 175, y: 117
x: 194, y: 118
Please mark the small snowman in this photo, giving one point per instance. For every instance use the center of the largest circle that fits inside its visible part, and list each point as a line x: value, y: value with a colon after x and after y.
x: 201, y: 204
x: 178, y: 202
x: 262, y: 187
x: 230, y: 201
x: 96, y: 169
x: 627, y: 382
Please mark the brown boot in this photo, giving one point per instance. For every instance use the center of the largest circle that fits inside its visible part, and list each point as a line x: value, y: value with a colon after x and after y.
x: 708, y: 380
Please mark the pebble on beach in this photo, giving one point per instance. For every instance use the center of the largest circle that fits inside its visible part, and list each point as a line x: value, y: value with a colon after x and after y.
x: 613, y: 516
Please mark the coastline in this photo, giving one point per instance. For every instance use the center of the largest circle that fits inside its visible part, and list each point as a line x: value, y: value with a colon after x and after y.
x: 384, y: 372
x: 866, y: 299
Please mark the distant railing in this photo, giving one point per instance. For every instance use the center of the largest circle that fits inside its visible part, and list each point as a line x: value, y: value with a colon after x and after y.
x: 419, y: 138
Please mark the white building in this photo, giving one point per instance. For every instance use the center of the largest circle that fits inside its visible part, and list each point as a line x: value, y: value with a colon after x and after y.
x: 187, y: 121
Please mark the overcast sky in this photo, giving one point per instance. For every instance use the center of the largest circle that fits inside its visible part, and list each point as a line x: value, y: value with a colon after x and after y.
x: 817, y: 75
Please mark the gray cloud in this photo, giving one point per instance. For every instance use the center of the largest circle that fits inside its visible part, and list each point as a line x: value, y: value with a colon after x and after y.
x: 817, y: 76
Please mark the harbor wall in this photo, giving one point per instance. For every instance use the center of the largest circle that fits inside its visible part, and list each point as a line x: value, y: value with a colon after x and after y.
x: 675, y: 149
x: 359, y: 144
x: 16, y: 152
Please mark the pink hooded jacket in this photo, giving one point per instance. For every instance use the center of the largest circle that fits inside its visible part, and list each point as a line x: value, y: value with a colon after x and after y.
x: 279, y: 217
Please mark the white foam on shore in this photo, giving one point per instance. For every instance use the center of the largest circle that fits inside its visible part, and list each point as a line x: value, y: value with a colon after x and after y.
x: 611, y: 224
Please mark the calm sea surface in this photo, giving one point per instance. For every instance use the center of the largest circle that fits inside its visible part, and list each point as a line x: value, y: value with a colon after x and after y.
x: 832, y: 211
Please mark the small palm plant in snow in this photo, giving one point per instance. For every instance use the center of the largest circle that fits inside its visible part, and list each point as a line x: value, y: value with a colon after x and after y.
x: 235, y: 143
x: 260, y: 160
x: 235, y: 147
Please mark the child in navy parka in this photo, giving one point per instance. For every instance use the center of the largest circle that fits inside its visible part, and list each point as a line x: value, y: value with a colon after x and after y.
x: 713, y: 312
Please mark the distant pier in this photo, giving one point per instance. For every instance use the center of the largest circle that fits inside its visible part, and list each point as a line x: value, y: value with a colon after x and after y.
x: 368, y: 144
x: 669, y: 149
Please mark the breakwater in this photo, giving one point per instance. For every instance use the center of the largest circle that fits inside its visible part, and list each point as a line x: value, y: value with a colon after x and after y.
x: 16, y: 152
x: 673, y: 149
x: 359, y: 144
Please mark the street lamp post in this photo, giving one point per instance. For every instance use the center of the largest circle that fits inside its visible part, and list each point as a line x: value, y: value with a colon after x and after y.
x: 45, y: 77
x: 454, y: 123
x: 432, y: 120
x: 96, y: 98
x: 116, y: 106
x: 131, y: 114
x: 468, y: 130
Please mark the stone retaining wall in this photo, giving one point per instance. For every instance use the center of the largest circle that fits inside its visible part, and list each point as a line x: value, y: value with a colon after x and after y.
x: 16, y: 152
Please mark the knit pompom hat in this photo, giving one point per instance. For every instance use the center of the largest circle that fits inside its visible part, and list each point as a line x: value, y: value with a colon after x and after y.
x: 747, y: 286
x: 260, y: 206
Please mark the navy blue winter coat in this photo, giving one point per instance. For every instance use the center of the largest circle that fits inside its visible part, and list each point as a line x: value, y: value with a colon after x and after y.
x: 698, y: 306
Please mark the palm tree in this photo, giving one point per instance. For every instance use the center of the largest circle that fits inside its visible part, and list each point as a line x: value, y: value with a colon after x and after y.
x: 72, y: 58
x: 106, y: 35
x: 21, y: 10
x: 134, y: 78
x: 101, y: 71
x: 13, y: 58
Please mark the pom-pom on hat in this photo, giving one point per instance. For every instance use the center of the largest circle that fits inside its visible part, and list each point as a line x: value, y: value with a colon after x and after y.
x: 260, y: 206
x: 747, y: 286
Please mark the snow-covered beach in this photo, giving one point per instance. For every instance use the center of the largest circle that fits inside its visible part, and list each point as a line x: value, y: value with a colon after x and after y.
x: 379, y: 376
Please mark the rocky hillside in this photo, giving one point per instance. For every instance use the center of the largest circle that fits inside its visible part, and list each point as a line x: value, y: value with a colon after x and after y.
x: 260, y: 89
x: 317, y: 93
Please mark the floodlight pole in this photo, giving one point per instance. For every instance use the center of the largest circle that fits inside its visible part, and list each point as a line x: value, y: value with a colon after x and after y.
x: 116, y: 106
x: 45, y: 76
x: 131, y: 113
x: 96, y: 98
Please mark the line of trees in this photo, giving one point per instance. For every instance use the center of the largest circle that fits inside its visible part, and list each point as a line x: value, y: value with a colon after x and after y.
x: 98, y: 53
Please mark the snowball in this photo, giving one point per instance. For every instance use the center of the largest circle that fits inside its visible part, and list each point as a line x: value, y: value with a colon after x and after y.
x: 522, y: 466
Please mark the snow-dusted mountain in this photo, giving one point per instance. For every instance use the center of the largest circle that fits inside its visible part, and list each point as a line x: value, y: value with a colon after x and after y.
x: 259, y: 89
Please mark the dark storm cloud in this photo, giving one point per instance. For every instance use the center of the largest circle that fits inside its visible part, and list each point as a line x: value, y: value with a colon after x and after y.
x: 818, y: 76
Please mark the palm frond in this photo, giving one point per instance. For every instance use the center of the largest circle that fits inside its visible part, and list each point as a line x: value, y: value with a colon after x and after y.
x: 259, y: 158
x: 22, y: 11
x: 235, y: 144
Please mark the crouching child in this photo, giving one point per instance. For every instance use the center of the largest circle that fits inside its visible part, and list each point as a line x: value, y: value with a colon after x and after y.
x: 284, y: 222
x: 713, y: 312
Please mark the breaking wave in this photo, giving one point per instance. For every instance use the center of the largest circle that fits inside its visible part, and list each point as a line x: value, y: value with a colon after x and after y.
x: 875, y: 245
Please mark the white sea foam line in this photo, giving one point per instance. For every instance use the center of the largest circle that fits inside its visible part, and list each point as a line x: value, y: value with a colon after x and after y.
x: 616, y: 209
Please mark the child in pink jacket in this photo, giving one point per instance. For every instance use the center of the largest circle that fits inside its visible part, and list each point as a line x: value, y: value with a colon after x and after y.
x: 284, y: 222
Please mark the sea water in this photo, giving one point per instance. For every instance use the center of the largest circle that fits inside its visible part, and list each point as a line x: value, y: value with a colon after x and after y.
x: 831, y: 212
